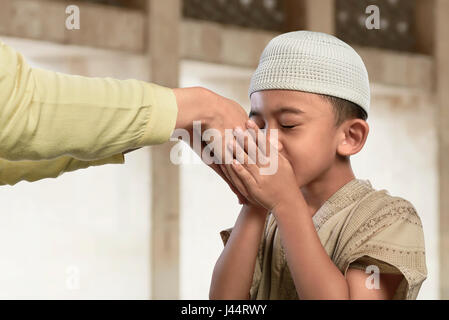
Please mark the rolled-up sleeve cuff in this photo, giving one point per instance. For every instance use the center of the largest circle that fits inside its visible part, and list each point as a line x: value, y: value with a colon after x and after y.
x: 163, y: 111
x: 115, y: 159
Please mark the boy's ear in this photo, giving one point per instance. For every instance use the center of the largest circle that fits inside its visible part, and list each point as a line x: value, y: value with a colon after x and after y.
x: 352, y: 136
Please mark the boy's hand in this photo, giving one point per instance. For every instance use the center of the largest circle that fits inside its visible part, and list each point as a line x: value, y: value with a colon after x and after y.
x: 214, y: 166
x: 238, y: 186
x: 268, y: 191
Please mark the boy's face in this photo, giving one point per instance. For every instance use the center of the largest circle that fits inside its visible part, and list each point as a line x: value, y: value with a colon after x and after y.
x: 306, y: 129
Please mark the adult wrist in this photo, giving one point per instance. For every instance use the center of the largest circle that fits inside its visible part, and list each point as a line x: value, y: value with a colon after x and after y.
x: 194, y: 104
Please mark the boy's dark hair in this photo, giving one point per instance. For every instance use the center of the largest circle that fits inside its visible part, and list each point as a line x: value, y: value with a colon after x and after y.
x: 344, y: 109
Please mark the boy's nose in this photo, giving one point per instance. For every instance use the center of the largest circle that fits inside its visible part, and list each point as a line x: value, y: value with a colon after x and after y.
x: 274, y: 137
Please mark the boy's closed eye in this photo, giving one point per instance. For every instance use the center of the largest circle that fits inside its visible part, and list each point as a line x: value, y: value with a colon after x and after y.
x: 283, y: 122
x: 288, y: 127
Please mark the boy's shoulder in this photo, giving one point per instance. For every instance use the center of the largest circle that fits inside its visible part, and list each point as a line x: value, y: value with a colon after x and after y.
x: 380, y: 204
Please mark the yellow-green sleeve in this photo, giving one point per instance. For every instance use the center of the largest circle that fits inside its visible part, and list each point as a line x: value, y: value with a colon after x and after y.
x: 12, y: 172
x: 46, y: 115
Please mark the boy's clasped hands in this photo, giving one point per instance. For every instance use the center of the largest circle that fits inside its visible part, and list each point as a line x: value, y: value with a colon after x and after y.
x: 259, y: 170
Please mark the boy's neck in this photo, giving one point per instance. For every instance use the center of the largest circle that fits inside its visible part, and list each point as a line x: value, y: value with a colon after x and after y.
x: 323, y: 187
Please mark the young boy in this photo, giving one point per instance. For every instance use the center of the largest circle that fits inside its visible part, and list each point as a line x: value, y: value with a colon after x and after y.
x: 312, y: 230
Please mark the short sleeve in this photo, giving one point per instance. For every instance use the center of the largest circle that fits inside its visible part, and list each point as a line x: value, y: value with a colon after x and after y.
x: 393, y: 240
x: 363, y: 262
x: 225, y: 234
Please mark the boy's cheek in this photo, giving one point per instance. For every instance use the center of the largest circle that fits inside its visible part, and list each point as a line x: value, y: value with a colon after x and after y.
x: 305, y: 168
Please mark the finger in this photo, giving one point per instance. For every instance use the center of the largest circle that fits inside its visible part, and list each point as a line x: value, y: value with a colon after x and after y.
x: 218, y: 170
x: 242, y: 157
x: 222, y: 172
x: 225, y: 172
x: 245, y: 141
x: 237, y: 182
x: 242, y: 199
x: 253, y: 151
x: 245, y: 177
x: 273, y: 145
x: 228, y: 170
x: 253, y: 129
x: 239, y: 136
x: 258, y: 135
x: 238, y: 153
x: 253, y: 169
x: 255, y: 154
x: 261, y: 140
x: 245, y: 200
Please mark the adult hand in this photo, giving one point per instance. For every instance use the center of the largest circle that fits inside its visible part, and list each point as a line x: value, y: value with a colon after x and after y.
x: 212, y: 111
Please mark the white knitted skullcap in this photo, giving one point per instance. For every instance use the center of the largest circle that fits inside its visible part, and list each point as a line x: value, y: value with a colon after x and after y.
x: 313, y: 62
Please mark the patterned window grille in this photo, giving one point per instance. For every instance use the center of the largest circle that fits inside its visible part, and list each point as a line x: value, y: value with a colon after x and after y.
x: 129, y: 4
x: 397, y: 18
x: 259, y: 14
x: 396, y: 30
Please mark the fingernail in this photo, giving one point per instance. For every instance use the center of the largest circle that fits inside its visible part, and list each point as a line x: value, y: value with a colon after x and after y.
x: 250, y: 123
x: 236, y: 164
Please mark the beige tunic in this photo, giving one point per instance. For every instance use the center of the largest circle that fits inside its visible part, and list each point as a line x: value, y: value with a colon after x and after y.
x: 358, y: 226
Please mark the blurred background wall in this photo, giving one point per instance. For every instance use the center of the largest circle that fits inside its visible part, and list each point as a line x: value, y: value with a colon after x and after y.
x: 149, y: 229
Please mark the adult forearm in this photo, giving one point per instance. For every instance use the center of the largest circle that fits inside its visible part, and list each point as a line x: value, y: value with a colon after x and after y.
x: 314, y: 274
x: 233, y: 272
x: 46, y: 114
x: 194, y: 104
